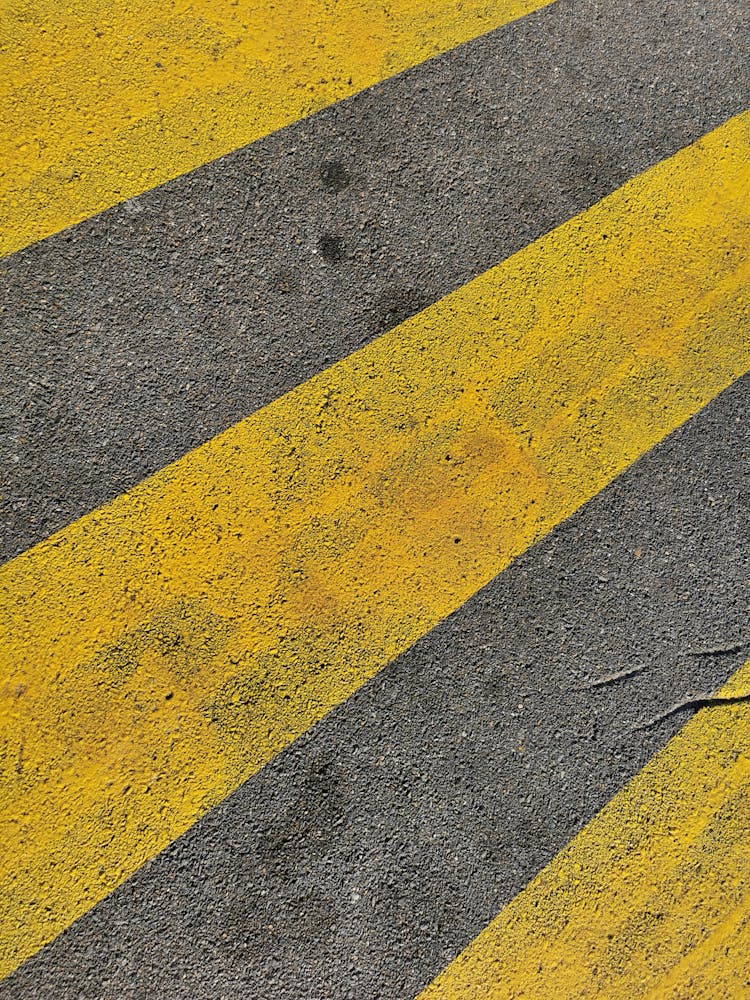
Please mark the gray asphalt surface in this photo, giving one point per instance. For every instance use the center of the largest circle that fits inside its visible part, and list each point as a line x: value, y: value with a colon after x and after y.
x: 366, y: 855
x: 143, y: 332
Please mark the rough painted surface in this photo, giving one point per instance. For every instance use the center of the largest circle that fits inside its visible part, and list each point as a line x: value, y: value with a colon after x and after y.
x: 140, y: 93
x: 132, y: 338
x: 365, y: 856
x: 162, y: 649
x: 652, y: 899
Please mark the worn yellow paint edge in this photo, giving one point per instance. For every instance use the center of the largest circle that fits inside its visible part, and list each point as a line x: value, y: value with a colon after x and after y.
x: 160, y: 650
x: 651, y: 899
x: 102, y: 102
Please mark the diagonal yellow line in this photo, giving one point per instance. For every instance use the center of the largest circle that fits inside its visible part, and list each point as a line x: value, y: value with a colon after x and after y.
x: 104, y: 101
x: 160, y: 650
x: 651, y: 899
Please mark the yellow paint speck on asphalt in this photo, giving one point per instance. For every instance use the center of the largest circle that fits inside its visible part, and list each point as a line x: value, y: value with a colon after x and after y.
x: 160, y: 650
x: 102, y: 101
x: 651, y: 899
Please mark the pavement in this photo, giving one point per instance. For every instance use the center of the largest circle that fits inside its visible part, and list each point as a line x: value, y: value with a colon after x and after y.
x: 148, y: 329
x: 371, y: 524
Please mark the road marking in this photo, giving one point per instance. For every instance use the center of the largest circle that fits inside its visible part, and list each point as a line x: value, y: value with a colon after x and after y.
x: 160, y: 650
x: 651, y: 899
x: 206, y: 266
x: 103, y: 102
x: 396, y: 781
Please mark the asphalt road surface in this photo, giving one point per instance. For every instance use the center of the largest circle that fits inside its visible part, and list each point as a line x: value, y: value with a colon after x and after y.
x: 254, y: 741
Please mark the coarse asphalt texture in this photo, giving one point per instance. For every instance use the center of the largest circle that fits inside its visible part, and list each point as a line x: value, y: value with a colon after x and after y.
x: 366, y: 855
x: 145, y: 331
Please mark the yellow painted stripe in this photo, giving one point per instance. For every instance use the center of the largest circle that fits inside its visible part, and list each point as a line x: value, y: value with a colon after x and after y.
x: 651, y: 899
x: 103, y: 101
x: 163, y: 648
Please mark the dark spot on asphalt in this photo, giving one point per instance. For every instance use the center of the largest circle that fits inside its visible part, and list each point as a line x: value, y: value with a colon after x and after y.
x: 311, y: 821
x: 332, y: 247
x: 335, y: 176
x: 594, y: 168
x: 398, y: 304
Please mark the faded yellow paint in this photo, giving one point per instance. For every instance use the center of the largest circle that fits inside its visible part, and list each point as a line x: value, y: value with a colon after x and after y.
x: 651, y: 899
x: 160, y: 650
x: 102, y: 101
